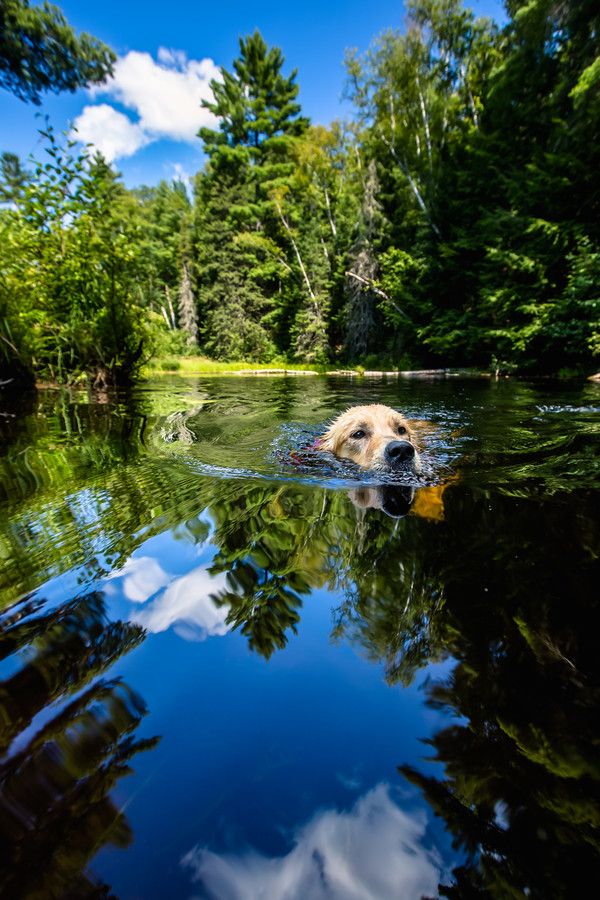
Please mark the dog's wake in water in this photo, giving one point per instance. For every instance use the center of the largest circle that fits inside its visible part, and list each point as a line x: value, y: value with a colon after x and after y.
x: 299, y: 453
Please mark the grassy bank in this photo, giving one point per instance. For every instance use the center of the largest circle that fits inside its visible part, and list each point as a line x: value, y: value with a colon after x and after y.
x: 202, y: 365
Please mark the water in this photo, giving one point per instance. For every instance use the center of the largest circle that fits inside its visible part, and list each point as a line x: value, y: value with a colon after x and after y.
x: 223, y: 675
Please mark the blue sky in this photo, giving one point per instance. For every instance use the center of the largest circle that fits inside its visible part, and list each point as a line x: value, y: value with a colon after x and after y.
x: 147, y: 120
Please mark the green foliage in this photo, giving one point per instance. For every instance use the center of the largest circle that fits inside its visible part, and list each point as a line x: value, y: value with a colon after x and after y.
x: 166, y: 239
x: 520, y: 786
x: 489, y: 182
x: 39, y: 51
x: 69, y: 294
x: 454, y: 222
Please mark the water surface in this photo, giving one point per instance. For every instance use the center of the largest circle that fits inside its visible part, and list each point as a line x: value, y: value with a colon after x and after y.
x: 225, y: 675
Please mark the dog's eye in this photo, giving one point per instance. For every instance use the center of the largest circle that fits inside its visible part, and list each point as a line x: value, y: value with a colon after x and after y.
x: 401, y: 429
x: 358, y: 434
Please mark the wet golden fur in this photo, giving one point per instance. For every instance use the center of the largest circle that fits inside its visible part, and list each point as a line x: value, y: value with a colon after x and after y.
x: 380, y: 425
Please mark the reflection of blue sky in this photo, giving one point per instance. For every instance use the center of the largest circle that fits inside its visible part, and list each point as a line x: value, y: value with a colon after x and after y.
x: 163, y: 584
x: 373, y: 851
x: 279, y: 756
x: 253, y: 751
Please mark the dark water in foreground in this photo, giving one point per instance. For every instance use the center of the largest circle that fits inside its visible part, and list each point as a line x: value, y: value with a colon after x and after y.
x: 222, y: 677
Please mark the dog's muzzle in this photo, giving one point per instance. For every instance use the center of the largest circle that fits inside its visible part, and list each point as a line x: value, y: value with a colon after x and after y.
x: 399, y: 454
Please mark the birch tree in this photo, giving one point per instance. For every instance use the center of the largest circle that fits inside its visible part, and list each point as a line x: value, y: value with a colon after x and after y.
x: 417, y: 91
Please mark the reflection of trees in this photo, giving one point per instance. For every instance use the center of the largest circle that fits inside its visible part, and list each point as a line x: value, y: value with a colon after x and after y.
x: 512, y: 604
x: 84, y: 495
x: 271, y: 543
x: 521, y: 790
x: 55, y: 809
x: 65, y: 648
x: 81, y: 490
x: 392, y: 594
x: 276, y: 544
x: 503, y: 585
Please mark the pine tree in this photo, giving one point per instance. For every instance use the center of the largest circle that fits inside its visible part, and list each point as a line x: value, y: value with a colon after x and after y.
x: 231, y: 305
x: 241, y: 263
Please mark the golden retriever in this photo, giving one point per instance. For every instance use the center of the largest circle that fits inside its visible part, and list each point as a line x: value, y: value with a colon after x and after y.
x: 374, y: 437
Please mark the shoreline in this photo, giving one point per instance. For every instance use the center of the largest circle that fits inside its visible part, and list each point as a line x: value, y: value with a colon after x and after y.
x: 223, y: 370
x: 344, y: 373
x: 416, y: 374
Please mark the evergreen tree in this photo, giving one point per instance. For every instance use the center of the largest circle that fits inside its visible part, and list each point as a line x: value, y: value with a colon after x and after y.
x: 471, y: 238
x: 249, y: 156
x: 232, y: 306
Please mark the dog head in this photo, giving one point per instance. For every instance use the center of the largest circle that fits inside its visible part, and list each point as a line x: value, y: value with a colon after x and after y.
x: 374, y: 437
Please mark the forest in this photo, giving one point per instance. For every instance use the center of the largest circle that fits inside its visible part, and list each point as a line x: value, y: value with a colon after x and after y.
x: 452, y: 220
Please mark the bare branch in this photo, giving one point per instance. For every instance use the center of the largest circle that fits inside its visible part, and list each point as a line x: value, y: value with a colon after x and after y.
x: 329, y: 216
x: 286, y: 225
x: 425, y: 125
x: 376, y: 290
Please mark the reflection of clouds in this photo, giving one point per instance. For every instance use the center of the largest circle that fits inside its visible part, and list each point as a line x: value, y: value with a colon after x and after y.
x: 185, y: 605
x: 142, y: 577
x: 187, y: 600
x: 372, y: 852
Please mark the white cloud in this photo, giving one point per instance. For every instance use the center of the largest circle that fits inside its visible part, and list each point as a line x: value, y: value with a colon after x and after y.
x: 112, y: 133
x: 372, y: 852
x: 164, y: 94
x: 171, y: 57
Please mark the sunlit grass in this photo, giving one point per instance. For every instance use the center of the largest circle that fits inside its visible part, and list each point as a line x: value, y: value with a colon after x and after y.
x: 202, y: 365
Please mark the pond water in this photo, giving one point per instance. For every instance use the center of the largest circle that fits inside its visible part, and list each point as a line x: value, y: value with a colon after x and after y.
x: 227, y: 675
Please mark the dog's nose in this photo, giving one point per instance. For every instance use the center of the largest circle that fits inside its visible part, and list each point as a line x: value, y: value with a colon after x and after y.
x: 398, y: 452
